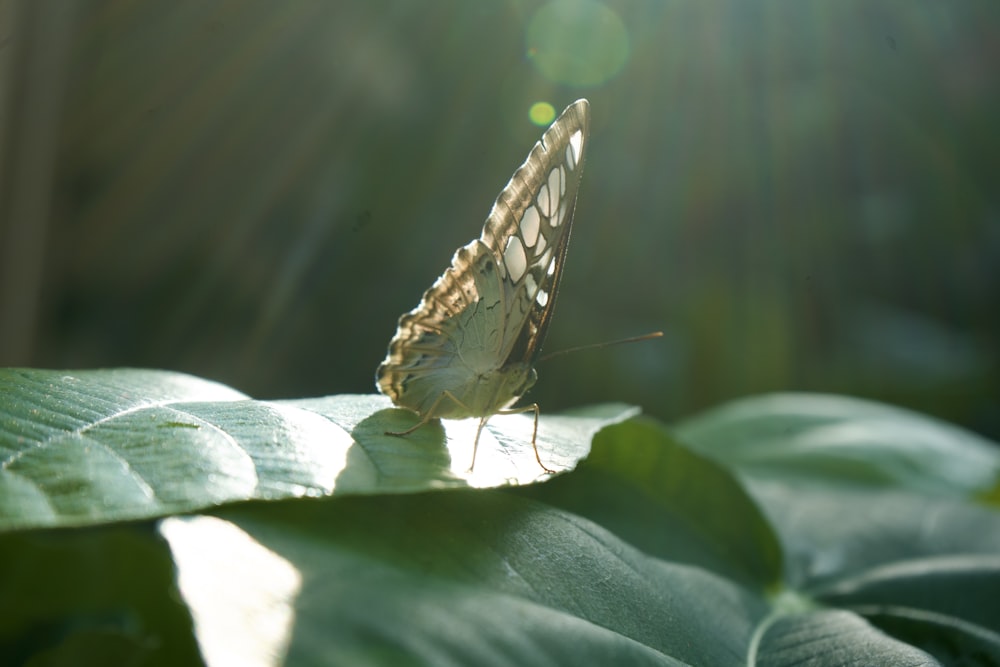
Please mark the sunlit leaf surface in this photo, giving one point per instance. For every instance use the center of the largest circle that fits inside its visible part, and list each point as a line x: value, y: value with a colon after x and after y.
x: 96, y: 446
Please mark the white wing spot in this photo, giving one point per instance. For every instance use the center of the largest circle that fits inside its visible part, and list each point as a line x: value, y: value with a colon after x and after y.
x: 544, y: 260
x: 541, y: 245
x: 514, y: 258
x: 542, y: 298
x: 575, y: 146
x: 552, y: 269
x: 560, y: 216
x: 530, y: 224
x: 530, y: 283
x: 554, y: 189
x: 544, y: 201
x: 562, y: 182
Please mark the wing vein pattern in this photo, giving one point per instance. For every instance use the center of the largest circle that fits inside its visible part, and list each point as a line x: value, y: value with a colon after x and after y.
x: 479, y: 328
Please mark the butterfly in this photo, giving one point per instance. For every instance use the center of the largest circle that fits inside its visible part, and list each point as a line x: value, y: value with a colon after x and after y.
x: 469, y: 348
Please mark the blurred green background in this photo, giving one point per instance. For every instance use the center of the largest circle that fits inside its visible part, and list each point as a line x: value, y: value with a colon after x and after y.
x: 803, y: 194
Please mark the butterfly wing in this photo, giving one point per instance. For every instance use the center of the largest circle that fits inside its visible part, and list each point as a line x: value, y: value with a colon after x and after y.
x: 479, y: 327
x: 450, y: 340
x: 529, y: 229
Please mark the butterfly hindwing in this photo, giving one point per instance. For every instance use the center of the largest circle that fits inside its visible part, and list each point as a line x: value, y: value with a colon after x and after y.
x: 467, y: 349
x: 455, y: 330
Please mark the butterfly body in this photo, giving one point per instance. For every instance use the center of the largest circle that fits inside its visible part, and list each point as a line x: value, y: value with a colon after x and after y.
x: 468, y: 349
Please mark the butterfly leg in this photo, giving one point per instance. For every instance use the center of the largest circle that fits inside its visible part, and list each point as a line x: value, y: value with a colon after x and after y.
x: 423, y: 420
x: 534, y: 433
x: 429, y: 415
x: 475, y: 443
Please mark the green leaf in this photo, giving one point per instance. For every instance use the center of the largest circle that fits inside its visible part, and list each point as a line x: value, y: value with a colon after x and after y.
x: 831, y: 637
x: 852, y: 485
x: 465, y: 577
x: 102, y: 596
x: 645, y: 486
x: 842, y: 440
x: 96, y: 446
x: 879, y: 510
x: 802, y: 530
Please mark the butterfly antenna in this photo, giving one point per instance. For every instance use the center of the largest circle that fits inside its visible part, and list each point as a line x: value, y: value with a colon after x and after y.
x: 591, y: 346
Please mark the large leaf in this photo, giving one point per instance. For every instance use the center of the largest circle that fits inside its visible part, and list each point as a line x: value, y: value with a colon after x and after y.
x: 99, y: 596
x: 646, y: 553
x: 97, y: 446
x: 839, y: 440
x: 464, y: 578
x: 485, y: 578
x: 880, y: 510
x: 646, y: 487
x: 851, y: 484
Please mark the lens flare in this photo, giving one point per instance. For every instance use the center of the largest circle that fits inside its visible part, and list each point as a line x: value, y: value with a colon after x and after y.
x: 577, y: 42
x: 542, y: 113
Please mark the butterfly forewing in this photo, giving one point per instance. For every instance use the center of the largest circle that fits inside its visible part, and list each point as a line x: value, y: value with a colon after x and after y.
x: 467, y: 349
x: 531, y: 224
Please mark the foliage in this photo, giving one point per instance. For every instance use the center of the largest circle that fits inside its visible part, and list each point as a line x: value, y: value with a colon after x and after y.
x: 156, y: 518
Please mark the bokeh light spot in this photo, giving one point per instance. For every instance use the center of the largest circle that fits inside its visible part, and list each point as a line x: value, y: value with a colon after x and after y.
x: 577, y: 42
x: 542, y: 113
